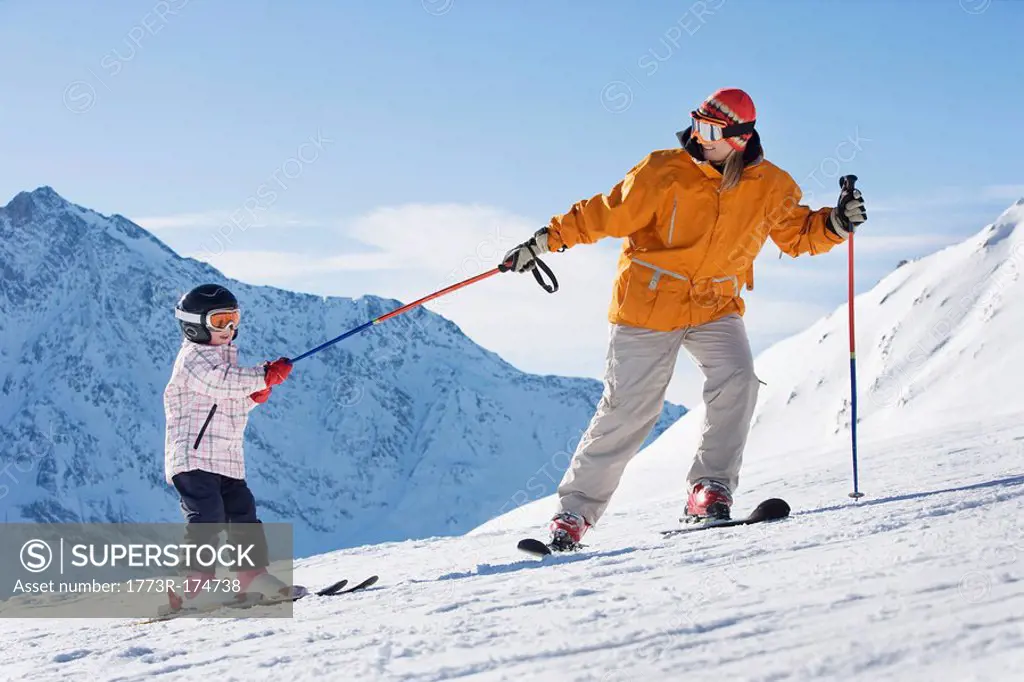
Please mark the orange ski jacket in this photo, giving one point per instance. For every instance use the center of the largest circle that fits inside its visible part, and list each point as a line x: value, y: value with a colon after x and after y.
x: 689, y: 249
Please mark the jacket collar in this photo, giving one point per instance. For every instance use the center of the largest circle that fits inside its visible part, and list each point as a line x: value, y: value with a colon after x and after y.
x: 752, y: 154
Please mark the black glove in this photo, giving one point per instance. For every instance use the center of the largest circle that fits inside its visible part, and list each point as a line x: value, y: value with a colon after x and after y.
x: 848, y: 214
x: 523, y: 257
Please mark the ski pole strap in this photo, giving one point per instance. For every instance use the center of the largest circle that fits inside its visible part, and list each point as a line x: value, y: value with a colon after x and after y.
x: 541, y: 265
x: 538, y: 266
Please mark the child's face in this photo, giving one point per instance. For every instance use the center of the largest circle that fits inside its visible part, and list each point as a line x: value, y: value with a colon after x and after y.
x: 221, y: 338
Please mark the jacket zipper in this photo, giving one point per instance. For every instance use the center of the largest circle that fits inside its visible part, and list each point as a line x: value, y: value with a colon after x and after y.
x: 672, y: 221
x: 205, y: 424
x: 658, y: 272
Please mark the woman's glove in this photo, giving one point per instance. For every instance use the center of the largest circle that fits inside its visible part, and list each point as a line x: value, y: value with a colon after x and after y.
x: 848, y: 214
x: 522, y: 258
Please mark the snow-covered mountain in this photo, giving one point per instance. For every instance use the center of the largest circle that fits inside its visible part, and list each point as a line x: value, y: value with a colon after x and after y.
x: 937, y: 343
x: 919, y: 580
x: 407, y: 430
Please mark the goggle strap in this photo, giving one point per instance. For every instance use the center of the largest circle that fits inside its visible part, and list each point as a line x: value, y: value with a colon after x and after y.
x: 737, y: 129
x: 188, y: 317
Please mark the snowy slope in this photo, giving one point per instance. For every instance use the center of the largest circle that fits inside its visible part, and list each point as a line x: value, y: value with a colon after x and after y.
x: 921, y: 580
x: 407, y: 430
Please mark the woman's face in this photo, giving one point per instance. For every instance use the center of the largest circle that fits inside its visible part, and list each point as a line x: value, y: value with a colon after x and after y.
x: 716, y: 151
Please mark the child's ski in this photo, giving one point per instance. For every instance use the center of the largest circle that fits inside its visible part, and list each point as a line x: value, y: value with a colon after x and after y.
x: 245, y: 601
x: 331, y: 590
x: 369, y: 582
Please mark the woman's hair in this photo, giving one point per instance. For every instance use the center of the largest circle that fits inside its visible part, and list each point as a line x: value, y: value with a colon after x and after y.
x: 732, y: 170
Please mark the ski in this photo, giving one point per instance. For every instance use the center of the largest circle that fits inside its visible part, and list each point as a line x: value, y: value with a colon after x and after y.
x: 536, y: 548
x: 245, y: 601
x: 332, y: 590
x: 369, y: 582
x: 339, y: 587
x: 771, y: 509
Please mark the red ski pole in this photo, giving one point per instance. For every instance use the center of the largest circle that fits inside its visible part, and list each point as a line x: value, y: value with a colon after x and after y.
x: 550, y: 288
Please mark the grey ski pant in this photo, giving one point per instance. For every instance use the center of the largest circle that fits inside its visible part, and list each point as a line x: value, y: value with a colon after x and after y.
x: 638, y: 369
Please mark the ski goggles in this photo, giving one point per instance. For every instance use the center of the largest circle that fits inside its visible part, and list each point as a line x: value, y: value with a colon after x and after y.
x: 712, y: 130
x: 222, y: 320
x: 217, y: 320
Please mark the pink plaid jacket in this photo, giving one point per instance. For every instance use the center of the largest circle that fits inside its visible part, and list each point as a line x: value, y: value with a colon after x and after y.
x: 206, y: 406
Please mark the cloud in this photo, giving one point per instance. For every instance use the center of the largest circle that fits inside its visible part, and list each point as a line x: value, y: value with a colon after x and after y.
x: 282, y: 266
x: 211, y: 220
x: 179, y: 221
x: 442, y: 238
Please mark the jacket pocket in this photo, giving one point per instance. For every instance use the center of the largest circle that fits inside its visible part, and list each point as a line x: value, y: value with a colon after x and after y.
x: 657, y: 297
x: 206, y: 423
x: 716, y: 293
x: 633, y: 299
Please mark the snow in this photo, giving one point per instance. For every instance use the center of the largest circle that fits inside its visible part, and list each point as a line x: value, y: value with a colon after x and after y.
x: 923, y: 579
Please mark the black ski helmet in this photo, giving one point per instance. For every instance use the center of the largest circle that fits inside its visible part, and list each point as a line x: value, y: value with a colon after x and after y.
x: 193, y: 307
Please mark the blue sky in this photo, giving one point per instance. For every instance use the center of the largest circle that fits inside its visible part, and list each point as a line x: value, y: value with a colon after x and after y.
x: 391, y: 147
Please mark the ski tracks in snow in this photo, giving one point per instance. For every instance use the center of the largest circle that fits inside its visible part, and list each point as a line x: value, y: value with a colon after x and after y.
x: 922, y: 580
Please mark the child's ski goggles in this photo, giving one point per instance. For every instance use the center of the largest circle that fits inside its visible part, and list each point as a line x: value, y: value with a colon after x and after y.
x: 222, y: 320
x: 712, y: 130
x: 217, y: 320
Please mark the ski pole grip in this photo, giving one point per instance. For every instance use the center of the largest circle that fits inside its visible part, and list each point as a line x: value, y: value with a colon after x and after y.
x: 847, y: 182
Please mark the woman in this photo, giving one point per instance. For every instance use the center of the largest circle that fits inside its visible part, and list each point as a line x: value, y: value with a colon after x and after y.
x: 693, y: 220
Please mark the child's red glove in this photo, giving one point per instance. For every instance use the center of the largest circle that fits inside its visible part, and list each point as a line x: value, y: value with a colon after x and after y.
x: 261, y: 396
x: 277, y: 371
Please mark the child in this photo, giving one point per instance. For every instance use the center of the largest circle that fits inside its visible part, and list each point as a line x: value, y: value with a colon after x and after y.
x: 207, y: 404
